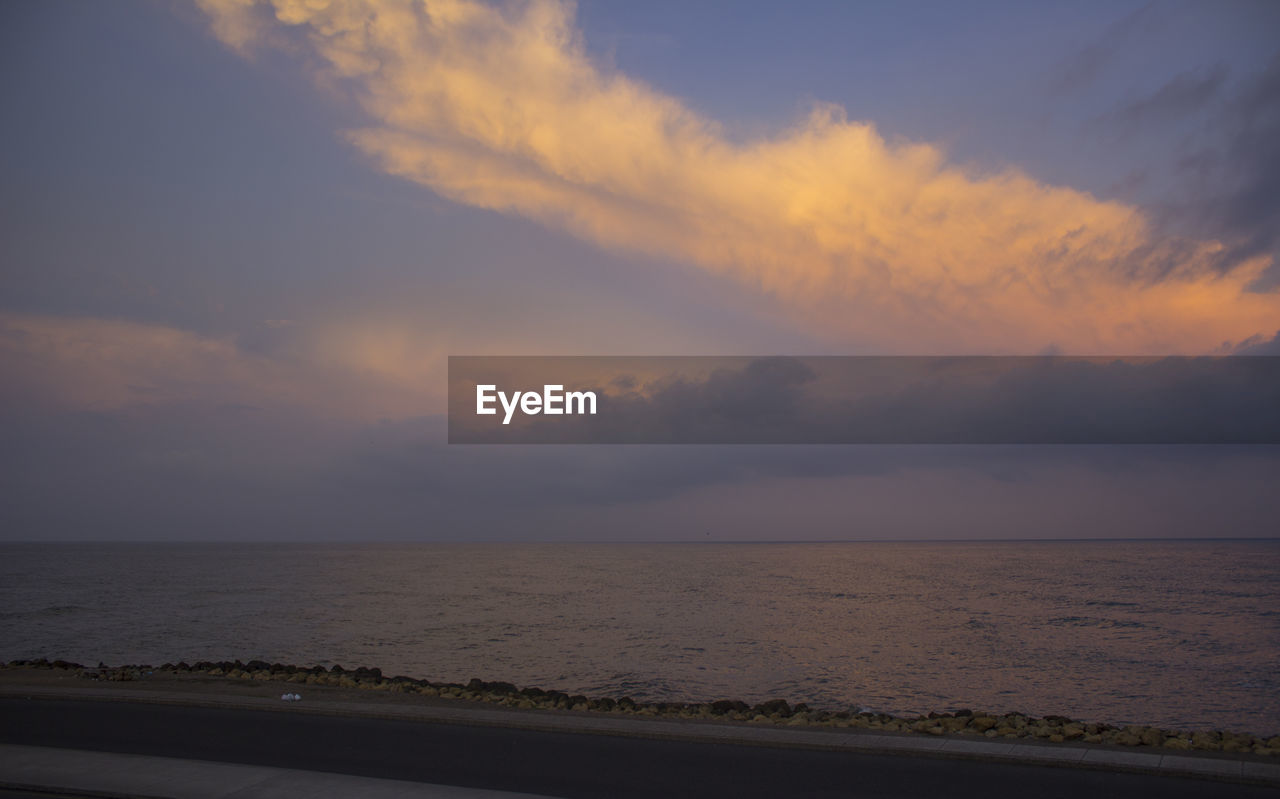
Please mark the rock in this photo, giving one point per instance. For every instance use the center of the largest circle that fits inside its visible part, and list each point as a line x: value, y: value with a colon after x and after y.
x: 502, y: 688
x: 774, y: 707
x: 1072, y: 732
x: 1176, y: 743
x: 982, y: 723
x: 1206, y: 740
x: 927, y: 725
x: 724, y: 706
x: 1234, y: 743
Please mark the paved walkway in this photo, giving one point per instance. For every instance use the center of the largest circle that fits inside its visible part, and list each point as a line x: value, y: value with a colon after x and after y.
x: 1141, y: 760
x: 39, y: 770
x: 146, y: 741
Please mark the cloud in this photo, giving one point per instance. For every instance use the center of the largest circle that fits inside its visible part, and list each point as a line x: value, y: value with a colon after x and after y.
x: 1084, y: 67
x: 184, y: 473
x: 882, y: 400
x: 1229, y: 164
x: 867, y: 240
x: 1183, y: 95
x: 350, y: 371
x: 1250, y: 160
x: 1261, y: 346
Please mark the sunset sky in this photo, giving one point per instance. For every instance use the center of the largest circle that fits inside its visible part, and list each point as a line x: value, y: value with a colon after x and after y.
x: 240, y: 239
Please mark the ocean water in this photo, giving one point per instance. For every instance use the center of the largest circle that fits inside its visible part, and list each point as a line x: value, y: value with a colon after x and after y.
x: 1178, y: 634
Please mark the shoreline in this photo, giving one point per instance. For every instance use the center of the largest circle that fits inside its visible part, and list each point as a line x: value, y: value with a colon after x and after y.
x: 975, y: 726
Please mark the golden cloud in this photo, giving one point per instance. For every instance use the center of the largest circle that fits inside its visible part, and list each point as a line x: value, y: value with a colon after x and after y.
x: 879, y: 243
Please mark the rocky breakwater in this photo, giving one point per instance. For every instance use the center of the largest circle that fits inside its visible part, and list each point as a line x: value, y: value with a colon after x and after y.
x: 1052, y: 729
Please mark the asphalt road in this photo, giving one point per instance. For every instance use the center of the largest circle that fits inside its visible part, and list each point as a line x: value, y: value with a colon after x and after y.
x: 557, y: 764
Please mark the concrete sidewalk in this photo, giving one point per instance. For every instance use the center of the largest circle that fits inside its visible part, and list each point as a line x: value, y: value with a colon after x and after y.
x: 1107, y: 758
x: 76, y: 773
x: 585, y: 758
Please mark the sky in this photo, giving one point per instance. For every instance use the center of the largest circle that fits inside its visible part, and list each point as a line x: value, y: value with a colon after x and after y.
x: 240, y: 239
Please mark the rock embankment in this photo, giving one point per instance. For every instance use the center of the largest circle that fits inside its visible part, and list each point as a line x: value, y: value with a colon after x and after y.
x: 1055, y: 729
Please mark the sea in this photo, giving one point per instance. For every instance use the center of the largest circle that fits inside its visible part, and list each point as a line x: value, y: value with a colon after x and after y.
x: 1179, y: 634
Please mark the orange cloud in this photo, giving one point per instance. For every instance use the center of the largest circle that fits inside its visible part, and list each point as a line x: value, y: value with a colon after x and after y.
x: 868, y: 241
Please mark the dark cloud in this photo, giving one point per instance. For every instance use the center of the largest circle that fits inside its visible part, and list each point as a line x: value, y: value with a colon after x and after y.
x: 1252, y: 162
x: 192, y: 472
x: 1261, y: 346
x: 1185, y: 94
x: 886, y: 400
x: 1210, y: 134
x: 1089, y: 63
x: 1231, y: 173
